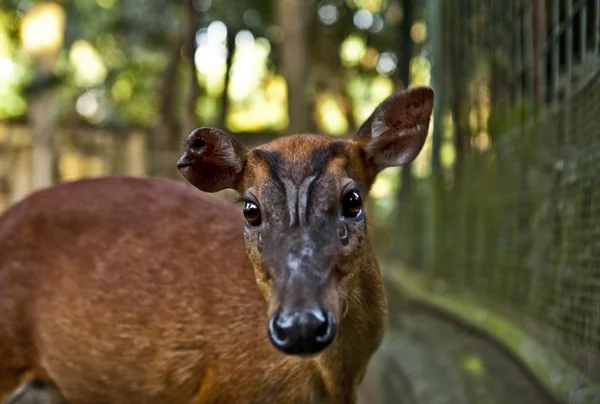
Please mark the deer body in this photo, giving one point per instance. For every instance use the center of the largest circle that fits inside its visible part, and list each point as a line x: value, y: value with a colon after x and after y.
x: 176, y: 323
x: 123, y: 290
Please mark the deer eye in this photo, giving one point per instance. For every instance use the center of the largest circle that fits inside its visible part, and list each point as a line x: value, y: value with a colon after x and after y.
x: 351, y: 204
x: 252, y: 214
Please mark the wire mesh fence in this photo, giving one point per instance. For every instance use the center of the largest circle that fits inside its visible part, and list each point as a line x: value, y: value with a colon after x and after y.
x: 514, y: 218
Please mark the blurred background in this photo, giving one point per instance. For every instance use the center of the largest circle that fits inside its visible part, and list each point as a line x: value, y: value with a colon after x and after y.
x: 490, y: 240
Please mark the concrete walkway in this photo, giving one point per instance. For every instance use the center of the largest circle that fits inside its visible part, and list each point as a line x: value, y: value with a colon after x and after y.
x: 429, y: 359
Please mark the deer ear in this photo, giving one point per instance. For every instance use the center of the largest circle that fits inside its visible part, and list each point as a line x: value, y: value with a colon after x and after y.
x: 396, y: 131
x: 211, y: 160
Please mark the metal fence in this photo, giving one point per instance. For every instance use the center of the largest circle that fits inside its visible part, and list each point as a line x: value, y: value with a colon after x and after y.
x: 514, y: 219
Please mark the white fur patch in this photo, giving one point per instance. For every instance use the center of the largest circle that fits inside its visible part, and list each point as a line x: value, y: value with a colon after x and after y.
x: 378, y: 127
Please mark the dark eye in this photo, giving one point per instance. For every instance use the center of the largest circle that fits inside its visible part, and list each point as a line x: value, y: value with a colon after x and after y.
x: 351, y: 204
x: 252, y: 213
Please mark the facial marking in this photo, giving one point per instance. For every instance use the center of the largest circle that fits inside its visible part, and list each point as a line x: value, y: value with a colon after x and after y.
x: 294, y: 180
x: 291, y: 194
x: 275, y: 162
x: 295, y: 258
x: 304, y: 198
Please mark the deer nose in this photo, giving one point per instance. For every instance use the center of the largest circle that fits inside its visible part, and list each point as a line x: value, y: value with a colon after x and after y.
x: 302, y: 332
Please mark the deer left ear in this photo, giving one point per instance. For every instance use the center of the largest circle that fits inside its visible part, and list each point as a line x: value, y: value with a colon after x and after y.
x: 212, y: 160
x: 396, y: 131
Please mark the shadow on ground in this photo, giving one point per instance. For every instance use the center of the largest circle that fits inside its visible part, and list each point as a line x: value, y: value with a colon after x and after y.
x: 427, y: 358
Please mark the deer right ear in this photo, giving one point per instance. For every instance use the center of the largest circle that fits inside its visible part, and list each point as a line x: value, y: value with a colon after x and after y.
x: 396, y: 131
x: 211, y: 160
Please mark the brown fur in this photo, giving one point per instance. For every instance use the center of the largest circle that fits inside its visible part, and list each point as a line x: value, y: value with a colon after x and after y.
x: 123, y: 290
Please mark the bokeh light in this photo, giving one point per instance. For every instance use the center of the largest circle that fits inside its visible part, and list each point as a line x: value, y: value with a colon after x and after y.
x: 363, y: 19
x: 328, y: 14
x: 42, y: 28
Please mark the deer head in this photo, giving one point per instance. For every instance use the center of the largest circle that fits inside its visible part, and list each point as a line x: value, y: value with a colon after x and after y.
x: 305, y: 232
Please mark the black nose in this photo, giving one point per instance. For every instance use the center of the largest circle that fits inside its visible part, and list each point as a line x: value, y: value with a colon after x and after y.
x: 302, y: 332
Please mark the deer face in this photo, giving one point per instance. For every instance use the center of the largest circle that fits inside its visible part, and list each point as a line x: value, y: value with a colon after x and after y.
x: 302, y: 197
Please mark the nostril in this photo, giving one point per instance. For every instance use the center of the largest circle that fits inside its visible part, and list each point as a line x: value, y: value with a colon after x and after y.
x: 277, y: 330
x: 323, y: 327
x: 326, y: 329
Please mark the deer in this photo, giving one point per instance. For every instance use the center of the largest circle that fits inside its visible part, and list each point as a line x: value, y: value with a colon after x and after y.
x: 149, y: 290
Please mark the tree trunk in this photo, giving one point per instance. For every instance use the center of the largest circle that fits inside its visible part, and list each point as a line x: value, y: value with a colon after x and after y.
x: 292, y: 18
x: 458, y: 86
x: 228, y: 63
x: 191, y: 117
x: 539, y: 34
x: 462, y: 131
x: 168, y: 131
x: 135, y: 152
x: 347, y: 104
x: 405, y: 53
x: 42, y: 115
x: 20, y: 173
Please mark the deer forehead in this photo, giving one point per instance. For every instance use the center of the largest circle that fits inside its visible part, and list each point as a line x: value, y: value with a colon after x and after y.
x: 295, y: 162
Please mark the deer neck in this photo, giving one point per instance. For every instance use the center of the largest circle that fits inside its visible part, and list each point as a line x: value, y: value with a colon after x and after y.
x: 360, y: 333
